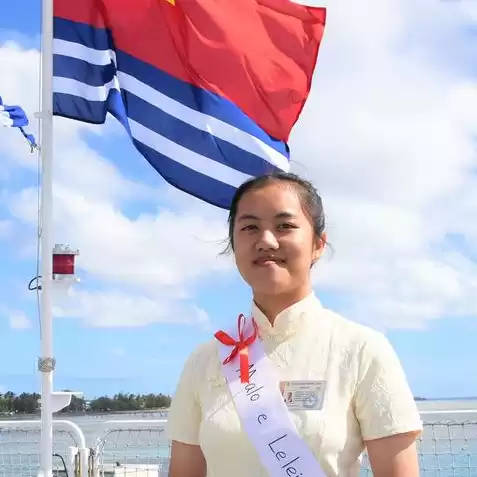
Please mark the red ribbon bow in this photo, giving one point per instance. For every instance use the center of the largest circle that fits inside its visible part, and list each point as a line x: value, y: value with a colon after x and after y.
x: 240, y: 346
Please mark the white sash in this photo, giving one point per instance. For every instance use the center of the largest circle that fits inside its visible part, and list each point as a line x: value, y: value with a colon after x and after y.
x: 265, y: 416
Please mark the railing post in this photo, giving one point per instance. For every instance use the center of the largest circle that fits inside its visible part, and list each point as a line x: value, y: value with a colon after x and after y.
x: 71, y: 460
x: 84, y: 462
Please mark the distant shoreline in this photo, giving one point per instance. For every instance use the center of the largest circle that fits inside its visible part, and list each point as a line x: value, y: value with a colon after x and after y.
x: 65, y: 415
x: 424, y: 404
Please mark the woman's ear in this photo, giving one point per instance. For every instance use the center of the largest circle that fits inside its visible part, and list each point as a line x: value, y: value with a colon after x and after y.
x: 319, y: 247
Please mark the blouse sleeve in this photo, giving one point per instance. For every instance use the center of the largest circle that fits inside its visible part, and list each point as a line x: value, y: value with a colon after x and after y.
x: 185, y: 414
x: 384, y: 404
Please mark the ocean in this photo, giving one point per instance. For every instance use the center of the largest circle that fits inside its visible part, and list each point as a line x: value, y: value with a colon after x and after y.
x: 448, y: 447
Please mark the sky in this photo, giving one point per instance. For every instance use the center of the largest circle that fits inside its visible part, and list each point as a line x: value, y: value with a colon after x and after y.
x: 387, y: 136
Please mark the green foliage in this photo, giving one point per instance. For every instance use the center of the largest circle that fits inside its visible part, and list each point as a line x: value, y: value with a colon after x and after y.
x: 130, y: 402
x: 24, y: 403
x: 28, y: 403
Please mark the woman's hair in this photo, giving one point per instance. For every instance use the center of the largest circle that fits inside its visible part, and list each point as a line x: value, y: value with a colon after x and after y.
x: 309, y: 198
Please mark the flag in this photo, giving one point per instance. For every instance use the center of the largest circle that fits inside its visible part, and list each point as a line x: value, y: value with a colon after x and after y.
x: 15, y: 117
x: 208, y: 90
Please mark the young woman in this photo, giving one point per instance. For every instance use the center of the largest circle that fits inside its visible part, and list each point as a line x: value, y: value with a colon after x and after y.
x: 340, y: 383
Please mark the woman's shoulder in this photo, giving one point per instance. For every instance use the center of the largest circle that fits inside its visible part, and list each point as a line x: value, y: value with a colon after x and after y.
x: 355, y: 335
x: 204, y: 357
x: 205, y: 350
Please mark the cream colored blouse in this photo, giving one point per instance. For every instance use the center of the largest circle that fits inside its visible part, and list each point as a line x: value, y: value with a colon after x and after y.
x: 367, y: 395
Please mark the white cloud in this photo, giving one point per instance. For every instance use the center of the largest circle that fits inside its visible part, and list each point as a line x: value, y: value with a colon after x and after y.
x: 158, y: 250
x: 116, y: 309
x: 18, y: 320
x: 387, y: 136
x: 394, y: 157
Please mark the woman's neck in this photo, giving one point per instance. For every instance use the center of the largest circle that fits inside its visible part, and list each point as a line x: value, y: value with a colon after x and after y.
x: 272, y: 305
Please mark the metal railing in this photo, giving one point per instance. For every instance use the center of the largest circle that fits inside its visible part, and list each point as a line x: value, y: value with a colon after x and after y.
x: 448, y: 445
x: 20, y: 449
x: 139, y: 447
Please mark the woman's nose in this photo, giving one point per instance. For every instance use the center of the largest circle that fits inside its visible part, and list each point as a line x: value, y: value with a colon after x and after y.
x: 267, y: 241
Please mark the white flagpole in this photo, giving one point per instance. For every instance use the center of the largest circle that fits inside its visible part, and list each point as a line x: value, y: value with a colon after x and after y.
x: 46, y: 362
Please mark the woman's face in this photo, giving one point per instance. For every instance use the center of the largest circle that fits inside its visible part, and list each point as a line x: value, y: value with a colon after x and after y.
x: 274, y: 240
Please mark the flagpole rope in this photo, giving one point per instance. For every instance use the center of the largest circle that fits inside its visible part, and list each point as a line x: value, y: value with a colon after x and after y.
x: 37, y: 149
x: 38, y: 159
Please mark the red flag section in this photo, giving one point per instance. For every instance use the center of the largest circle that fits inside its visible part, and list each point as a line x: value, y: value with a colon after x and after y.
x: 259, y: 54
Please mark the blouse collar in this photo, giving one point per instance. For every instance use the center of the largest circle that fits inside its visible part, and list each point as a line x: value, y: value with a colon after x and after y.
x: 290, y: 320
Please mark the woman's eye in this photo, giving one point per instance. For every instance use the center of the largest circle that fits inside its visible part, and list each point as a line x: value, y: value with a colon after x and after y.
x: 249, y: 227
x: 287, y: 226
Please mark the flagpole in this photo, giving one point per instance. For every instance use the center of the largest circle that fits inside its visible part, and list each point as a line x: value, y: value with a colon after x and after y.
x: 46, y: 362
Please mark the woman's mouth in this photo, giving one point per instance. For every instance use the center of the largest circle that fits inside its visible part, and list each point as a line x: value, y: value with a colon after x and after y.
x: 267, y: 261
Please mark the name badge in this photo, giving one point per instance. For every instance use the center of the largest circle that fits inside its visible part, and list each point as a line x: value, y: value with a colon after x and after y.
x: 304, y: 395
